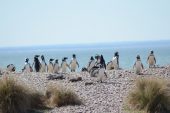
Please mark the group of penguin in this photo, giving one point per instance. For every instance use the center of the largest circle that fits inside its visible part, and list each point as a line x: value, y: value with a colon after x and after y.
x: 96, y: 65
x: 51, y: 67
x: 138, y: 66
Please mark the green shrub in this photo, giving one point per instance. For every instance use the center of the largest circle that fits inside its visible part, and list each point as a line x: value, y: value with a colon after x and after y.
x: 150, y: 94
x: 58, y: 97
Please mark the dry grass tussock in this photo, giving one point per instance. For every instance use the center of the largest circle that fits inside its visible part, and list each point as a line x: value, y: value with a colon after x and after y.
x: 58, y: 96
x: 17, y: 98
x: 150, y: 94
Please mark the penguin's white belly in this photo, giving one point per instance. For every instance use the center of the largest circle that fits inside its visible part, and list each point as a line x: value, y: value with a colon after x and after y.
x: 73, y: 65
x: 43, y: 67
x: 10, y: 68
x: 50, y: 68
x: 101, y: 74
x: 110, y: 66
x: 91, y: 65
x: 138, y: 67
x: 27, y: 68
x: 114, y: 64
x: 64, y: 67
x: 151, y: 60
x: 56, y: 69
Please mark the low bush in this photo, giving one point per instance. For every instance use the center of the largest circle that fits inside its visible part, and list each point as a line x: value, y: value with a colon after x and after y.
x: 150, y: 94
x: 18, y: 98
x: 58, y: 97
x: 14, y: 98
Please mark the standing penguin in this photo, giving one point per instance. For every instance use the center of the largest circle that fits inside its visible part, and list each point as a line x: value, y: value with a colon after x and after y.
x: 91, y: 64
x: 151, y: 60
x: 115, y: 61
x: 56, y: 66
x: 138, y: 66
x: 36, y: 64
x: 102, y: 61
x: 43, y: 64
x: 51, y: 66
x: 74, y: 64
x: 110, y: 65
x: 10, y: 68
x: 64, y: 65
x: 98, y: 58
x: 27, y: 68
x: 101, y: 75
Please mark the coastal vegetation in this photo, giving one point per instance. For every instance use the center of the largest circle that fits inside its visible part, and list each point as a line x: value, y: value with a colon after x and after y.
x: 151, y: 95
x: 59, y: 96
x: 14, y: 98
x: 18, y: 98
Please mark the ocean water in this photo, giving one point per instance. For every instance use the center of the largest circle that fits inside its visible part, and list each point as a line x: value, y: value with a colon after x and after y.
x: 127, y: 51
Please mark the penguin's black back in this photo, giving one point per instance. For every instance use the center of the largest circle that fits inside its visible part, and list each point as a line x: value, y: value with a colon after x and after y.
x: 37, y: 64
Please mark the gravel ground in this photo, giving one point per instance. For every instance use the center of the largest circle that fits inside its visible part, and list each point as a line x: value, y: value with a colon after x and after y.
x: 106, y: 97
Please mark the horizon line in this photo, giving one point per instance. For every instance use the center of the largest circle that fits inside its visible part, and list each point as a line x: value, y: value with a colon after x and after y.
x: 83, y: 44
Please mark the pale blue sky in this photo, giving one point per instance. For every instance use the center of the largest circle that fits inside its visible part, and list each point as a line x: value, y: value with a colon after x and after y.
x: 39, y: 22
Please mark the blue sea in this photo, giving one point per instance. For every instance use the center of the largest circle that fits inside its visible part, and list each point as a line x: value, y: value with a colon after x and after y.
x: 127, y: 51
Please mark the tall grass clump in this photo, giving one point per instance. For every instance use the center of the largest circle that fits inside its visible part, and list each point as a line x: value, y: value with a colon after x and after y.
x: 150, y: 94
x: 37, y: 101
x: 14, y: 98
x: 58, y: 96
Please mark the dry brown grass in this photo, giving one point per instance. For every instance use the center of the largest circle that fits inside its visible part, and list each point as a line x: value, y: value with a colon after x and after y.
x: 150, y: 94
x: 37, y: 101
x: 14, y: 98
x: 58, y: 96
x: 18, y: 98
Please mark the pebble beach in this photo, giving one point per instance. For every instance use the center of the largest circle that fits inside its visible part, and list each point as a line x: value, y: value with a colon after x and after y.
x: 106, y: 97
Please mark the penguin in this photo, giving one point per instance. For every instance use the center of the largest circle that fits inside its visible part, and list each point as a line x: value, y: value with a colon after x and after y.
x: 43, y: 64
x: 110, y: 65
x: 27, y: 68
x: 102, y: 61
x: 101, y: 75
x: 74, y: 64
x: 99, y: 72
x: 36, y: 64
x: 94, y: 71
x: 51, y: 66
x: 117, y: 56
x: 56, y: 66
x: 151, y: 60
x: 97, y: 63
x: 64, y: 65
x: 115, y: 61
x: 11, y: 68
x: 138, y: 66
x: 91, y: 64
